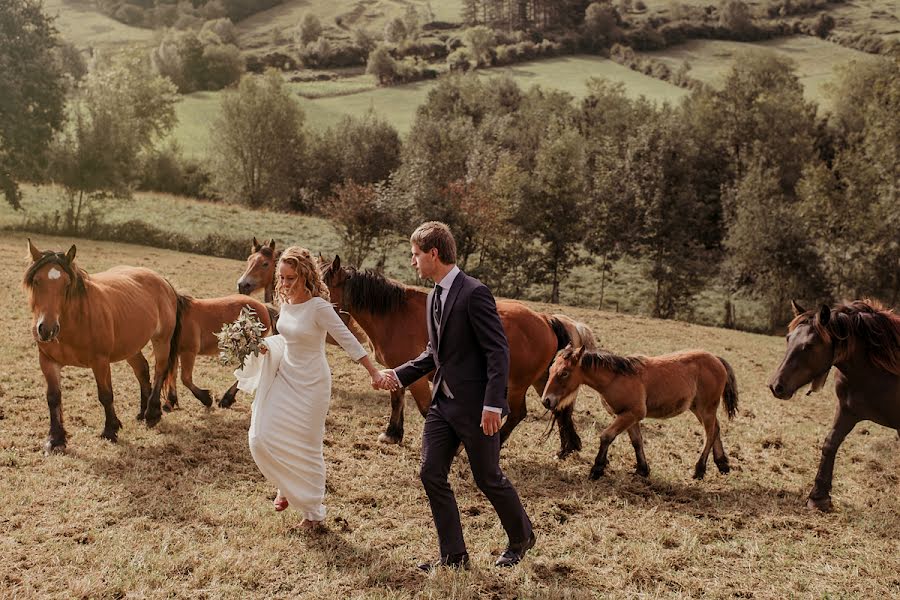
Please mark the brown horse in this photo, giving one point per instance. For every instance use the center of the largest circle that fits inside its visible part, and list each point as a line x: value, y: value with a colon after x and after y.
x: 91, y: 321
x: 393, y: 317
x: 861, y: 340
x: 260, y: 271
x: 202, y: 319
x: 659, y: 387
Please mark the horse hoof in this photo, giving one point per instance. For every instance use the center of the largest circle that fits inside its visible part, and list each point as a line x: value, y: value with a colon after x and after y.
x: 820, y: 504
x: 205, y: 398
x: 596, y: 474
x: 698, y: 474
x: 110, y: 436
x: 564, y: 454
x: 153, y: 418
x: 54, y: 447
x: 724, y: 468
x: 140, y: 416
x: 226, y: 401
x: 168, y: 407
x: 642, y: 472
x: 386, y: 438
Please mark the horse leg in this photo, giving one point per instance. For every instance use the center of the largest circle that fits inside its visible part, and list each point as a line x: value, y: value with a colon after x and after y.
x: 719, y: 452
x: 141, y: 369
x: 394, y: 432
x: 710, y: 426
x: 569, y: 440
x: 56, y: 441
x: 103, y: 376
x: 153, y: 413
x: 637, y: 441
x: 517, y: 412
x: 228, y: 397
x: 619, y: 424
x: 187, y: 378
x: 171, y: 401
x: 820, y: 496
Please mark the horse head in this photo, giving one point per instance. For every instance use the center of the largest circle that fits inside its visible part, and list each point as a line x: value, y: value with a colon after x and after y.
x: 260, y: 271
x: 809, y: 355
x: 51, y: 279
x: 565, y: 377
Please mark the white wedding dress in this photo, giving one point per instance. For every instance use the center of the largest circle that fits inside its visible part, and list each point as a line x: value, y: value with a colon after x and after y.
x: 293, y: 390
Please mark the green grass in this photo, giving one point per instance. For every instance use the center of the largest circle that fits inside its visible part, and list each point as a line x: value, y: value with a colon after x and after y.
x: 80, y: 23
x: 181, y: 510
x: 815, y: 60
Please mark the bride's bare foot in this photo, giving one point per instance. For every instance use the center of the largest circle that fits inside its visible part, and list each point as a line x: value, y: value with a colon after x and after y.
x: 280, y: 502
x: 310, y: 525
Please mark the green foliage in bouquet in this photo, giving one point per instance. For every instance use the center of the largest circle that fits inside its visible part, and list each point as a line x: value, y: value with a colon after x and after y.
x: 240, y: 339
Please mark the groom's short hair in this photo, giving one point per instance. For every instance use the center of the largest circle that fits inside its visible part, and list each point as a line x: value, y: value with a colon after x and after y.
x: 435, y: 234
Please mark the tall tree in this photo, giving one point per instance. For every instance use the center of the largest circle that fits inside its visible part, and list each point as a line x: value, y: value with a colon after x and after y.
x: 32, y: 93
x: 258, y: 141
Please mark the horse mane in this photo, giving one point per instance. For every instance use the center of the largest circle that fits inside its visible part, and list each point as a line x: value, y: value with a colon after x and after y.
x: 620, y: 365
x: 864, y: 322
x: 77, y: 276
x: 371, y: 291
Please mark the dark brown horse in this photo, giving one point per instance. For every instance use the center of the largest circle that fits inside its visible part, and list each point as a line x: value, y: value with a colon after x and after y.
x: 635, y: 387
x: 202, y: 319
x: 91, y: 321
x: 393, y: 317
x: 861, y: 340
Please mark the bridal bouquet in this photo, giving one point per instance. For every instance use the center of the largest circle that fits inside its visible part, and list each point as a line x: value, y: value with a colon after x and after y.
x: 240, y: 339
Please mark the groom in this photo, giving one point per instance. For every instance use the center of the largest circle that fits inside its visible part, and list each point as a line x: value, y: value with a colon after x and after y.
x: 468, y: 349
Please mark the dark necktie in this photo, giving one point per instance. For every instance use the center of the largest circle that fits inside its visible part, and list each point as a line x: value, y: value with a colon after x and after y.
x: 436, y: 307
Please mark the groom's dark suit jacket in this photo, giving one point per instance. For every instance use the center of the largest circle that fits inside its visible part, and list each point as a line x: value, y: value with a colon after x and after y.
x: 470, y: 354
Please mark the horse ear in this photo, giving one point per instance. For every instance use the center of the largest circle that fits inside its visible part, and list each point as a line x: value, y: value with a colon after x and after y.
x: 254, y: 246
x: 70, y: 255
x: 35, y: 253
x: 579, y: 353
x: 798, y: 310
x: 336, y: 263
x: 271, y: 244
x: 824, y: 314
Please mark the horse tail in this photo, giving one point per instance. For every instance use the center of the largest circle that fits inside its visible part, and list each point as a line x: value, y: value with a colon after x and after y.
x: 575, y: 332
x: 563, y: 338
x: 730, y: 395
x: 182, y: 303
x: 273, y: 318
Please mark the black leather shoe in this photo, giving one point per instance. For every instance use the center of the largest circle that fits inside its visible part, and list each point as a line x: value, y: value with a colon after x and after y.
x: 515, y: 552
x: 453, y: 561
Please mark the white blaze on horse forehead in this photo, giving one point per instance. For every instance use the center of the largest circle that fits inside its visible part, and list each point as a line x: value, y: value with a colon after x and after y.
x: 54, y: 273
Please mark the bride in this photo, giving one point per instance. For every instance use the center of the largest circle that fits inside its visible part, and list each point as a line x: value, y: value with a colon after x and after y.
x: 293, y: 387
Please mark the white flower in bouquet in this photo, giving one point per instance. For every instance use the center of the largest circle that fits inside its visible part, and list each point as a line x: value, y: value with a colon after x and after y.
x: 240, y: 339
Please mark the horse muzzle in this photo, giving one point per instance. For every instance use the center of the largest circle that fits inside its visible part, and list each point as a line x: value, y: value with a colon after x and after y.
x: 244, y: 287
x: 550, y: 402
x: 45, y: 334
x: 780, y: 391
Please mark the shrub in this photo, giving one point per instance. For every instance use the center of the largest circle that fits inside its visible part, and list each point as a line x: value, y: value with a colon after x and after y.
x: 223, y: 28
x: 308, y: 30
x: 461, y: 60
x: 167, y: 171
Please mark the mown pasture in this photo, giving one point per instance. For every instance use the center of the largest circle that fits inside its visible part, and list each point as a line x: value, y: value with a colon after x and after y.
x: 182, y: 511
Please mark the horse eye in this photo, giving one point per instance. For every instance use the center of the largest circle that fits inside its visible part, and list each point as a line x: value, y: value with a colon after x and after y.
x: 564, y: 375
x: 265, y: 264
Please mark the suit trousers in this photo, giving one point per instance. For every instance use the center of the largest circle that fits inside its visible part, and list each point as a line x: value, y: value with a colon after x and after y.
x: 441, y: 437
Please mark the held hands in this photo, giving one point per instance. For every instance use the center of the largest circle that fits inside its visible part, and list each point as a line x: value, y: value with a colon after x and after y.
x: 490, y: 422
x: 385, y: 380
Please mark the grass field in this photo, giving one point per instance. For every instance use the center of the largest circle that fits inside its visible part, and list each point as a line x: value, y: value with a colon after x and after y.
x: 80, y: 23
x: 815, y: 60
x: 182, y: 511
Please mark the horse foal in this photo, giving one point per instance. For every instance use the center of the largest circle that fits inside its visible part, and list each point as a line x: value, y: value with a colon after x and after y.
x: 635, y: 387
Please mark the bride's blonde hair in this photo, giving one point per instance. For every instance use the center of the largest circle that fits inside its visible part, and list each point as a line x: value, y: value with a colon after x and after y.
x: 308, y: 273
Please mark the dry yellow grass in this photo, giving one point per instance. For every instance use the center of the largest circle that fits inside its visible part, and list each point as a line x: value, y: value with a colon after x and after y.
x: 181, y: 511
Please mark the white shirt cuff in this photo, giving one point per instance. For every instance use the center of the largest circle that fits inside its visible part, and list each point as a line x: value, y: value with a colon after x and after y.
x: 494, y: 409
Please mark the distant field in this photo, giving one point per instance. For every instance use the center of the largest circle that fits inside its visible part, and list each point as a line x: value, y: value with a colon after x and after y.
x: 398, y: 104
x: 79, y: 22
x: 815, y: 59
x: 182, y: 511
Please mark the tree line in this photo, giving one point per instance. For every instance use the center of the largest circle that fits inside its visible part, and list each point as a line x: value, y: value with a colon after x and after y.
x: 746, y: 186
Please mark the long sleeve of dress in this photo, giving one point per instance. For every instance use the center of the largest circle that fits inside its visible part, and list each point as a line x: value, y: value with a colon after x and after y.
x: 328, y: 319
